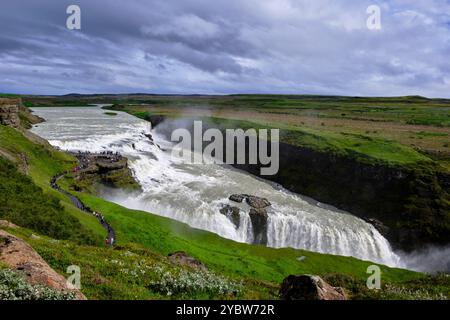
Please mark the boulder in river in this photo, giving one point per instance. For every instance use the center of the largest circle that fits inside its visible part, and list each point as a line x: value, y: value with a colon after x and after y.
x: 252, y: 201
x: 257, y: 202
x: 232, y: 213
x: 308, y: 287
x: 237, y: 197
x: 259, y: 217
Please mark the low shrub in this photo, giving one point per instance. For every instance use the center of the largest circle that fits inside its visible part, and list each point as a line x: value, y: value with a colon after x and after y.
x: 14, y: 287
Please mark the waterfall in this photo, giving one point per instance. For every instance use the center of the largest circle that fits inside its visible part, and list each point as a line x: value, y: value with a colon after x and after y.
x: 194, y: 194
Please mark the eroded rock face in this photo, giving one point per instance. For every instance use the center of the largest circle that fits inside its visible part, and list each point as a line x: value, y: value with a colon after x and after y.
x: 308, y: 287
x: 232, y: 213
x: 259, y: 217
x: 182, y: 258
x: 21, y: 257
x: 9, y: 112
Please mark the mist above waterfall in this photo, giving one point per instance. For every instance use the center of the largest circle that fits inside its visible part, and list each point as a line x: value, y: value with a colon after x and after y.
x: 431, y: 259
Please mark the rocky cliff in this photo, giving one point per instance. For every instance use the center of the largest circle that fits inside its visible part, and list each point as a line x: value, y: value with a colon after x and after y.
x: 9, y: 112
x: 410, y: 206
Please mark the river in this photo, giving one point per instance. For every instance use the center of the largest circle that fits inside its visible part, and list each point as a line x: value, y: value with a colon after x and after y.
x: 194, y: 193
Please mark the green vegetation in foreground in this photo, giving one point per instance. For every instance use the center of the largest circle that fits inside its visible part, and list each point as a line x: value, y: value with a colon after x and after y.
x: 132, y: 271
x: 25, y: 204
x: 14, y: 287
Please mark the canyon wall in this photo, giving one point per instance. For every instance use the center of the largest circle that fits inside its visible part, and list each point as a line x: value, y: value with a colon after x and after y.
x: 409, y: 205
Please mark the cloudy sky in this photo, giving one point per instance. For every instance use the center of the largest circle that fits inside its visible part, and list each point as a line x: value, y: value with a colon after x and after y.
x: 226, y: 46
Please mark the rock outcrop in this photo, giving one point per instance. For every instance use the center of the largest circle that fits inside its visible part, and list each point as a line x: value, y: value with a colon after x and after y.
x: 259, y: 217
x: 237, y: 197
x: 258, y: 214
x: 257, y: 202
x: 183, y: 259
x: 20, y: 257
x: 308, y: 287
x: 232, y: 213
x: 9, y: 112
x: 106, y: 168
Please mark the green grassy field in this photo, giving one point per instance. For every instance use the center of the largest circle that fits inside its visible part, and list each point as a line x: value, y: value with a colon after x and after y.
x: 395, y: 130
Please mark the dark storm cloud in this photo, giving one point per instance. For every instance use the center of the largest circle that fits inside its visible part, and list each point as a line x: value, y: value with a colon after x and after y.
x: 199, y: 46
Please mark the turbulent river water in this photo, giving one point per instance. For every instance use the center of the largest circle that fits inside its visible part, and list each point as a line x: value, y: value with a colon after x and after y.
x: 194, y: 193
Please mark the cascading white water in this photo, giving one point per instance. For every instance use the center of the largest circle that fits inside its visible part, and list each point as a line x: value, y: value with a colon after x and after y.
x: 194, y: 193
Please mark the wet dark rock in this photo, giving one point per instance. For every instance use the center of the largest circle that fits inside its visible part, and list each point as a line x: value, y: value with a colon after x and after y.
x: 257, y: 202
x: 232, y: 213
x: 182, y: 258
x: 252, y: 201
x: 149, y: 136
x: 380, y: 226
x: 237, y: 197
x: 259, y: 217
x: 308, y: 287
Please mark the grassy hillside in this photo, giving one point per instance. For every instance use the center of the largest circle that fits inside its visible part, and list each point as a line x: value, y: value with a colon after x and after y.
x: 25, y: 204
x: 32, y: 195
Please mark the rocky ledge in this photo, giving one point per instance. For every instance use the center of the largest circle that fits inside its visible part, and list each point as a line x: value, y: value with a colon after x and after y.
x: 257, y: 213
x: 107, y: 168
